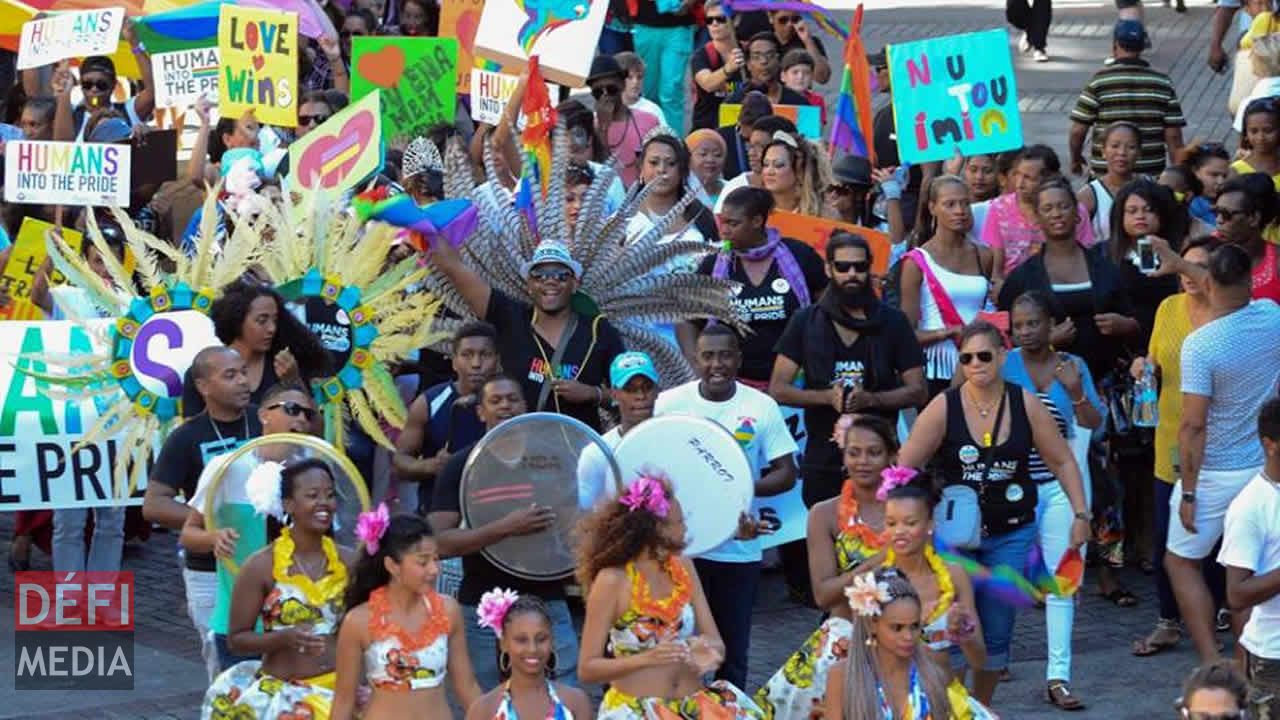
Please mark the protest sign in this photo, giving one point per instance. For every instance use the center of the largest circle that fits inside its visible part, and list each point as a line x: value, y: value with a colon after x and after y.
x: 807, y: 118
x: 64, y: 173
x: 258, y: 50
x: 954, y: 91
x: 415, y: 77
x: 38, y: 467
x: 815, y: 231
x: 490, y: 93
x: 343, y: 151
x: 26, y: 256
x: 185, y: 76
x: 512, y: 31
x: 786, y: 514
x: 459, y: 20
x: 69, y: 35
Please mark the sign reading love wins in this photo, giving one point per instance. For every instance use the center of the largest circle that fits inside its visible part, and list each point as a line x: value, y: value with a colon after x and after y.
x: 69, y: 35
x: 415, y: 77
x: 342, y: 152
x: 956, y: 91
x: 258, y: 50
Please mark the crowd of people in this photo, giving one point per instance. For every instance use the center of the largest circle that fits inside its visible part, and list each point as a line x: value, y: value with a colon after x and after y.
x: 976, y: 405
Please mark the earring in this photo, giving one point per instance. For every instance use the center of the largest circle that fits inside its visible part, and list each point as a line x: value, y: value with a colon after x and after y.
x: 871, y: 641
x: 504, y: 662
x: 552, y: 663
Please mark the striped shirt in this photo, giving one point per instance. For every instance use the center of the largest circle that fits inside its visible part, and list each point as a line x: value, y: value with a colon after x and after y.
x: 1036, y: 466
x: 1130, y: 90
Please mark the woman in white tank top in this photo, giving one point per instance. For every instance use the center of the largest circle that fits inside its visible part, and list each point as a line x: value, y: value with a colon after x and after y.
x: 946, y: 281
x: 1120, y: 146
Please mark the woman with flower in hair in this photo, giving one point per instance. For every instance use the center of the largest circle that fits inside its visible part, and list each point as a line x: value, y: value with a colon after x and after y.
x: 844, y: 540
x: 888, y: 675
x: 294, y: 587
x: 400, y: 635
x: 648, y: 631
x: 526, y: 660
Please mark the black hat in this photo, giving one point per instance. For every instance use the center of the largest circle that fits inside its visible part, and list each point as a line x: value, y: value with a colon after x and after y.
x: 852, y: 170
x: 604, y: 66
x: 878, y: 59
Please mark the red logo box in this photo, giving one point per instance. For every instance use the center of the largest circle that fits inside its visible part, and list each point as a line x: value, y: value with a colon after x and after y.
x: 77, y: 601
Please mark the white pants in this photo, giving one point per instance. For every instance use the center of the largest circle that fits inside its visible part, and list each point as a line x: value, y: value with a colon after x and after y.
x: 1214, y: 493
x: 202, y: 591
x: 1054, y: 516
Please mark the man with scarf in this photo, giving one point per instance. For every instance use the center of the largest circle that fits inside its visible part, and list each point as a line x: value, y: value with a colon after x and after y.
x: 858, y: 356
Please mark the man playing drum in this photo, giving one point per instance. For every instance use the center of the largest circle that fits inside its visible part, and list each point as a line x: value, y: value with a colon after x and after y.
x: 730, y: 572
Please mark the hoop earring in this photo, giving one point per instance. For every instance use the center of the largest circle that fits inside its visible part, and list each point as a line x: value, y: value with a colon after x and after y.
x: 504, y: 662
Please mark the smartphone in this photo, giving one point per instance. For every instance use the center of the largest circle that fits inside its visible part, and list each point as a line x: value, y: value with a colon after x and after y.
x: 1147, y: 260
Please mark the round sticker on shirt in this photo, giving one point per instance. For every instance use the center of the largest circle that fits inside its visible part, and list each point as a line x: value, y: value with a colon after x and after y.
x: 1013, y: 493
x: 781, y: 286
x: 968, y: 454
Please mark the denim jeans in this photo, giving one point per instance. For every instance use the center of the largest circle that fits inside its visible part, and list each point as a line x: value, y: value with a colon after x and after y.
x: 731, y: 594
x: 225, y: 658
x: 104, y: 550
x: 996, y: 615
x: 666, y: 52
x: 482, y: 646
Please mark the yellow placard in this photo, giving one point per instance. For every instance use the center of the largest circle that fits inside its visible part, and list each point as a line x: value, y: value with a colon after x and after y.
x: 25, y: 258
x: 258, y: 50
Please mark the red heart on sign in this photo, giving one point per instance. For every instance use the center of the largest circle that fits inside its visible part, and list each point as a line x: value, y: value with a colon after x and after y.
x: 327, y: 161
x: 382, y: 68
x: 467, y: 24
x: 258, y: 62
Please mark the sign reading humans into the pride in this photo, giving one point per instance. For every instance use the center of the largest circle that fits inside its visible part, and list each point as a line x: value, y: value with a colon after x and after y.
x: 64, y: 173
x: 951, y: 91
x: 490, y: 93
x: 415, y: 77
x: 69, y: 35
x: 258, y: 50
x: 183, y: 77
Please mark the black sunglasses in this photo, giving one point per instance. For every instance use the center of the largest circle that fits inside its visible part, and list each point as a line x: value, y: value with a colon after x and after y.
x: 717, y: 19
x: 982, y: 356
x: 789, y: 19
x: 844, y: 266
x: 353, y: 33
x: 610, y: 90
x: 294, y: 409
x: 312, y: 119
x: 1226, y: 214
x: 99, y: 85
x: 557, y: 274
x: 1237, y: 715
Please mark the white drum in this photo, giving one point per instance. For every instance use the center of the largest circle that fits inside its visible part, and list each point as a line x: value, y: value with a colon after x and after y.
x: 705, y: 464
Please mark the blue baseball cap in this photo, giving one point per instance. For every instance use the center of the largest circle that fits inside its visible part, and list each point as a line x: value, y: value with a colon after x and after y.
x: 548, y: 253
x: 630, y: 364
x: 1130, y: 35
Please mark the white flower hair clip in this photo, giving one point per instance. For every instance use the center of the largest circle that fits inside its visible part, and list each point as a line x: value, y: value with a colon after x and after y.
x: 263, y: 489
x: 867, y: 596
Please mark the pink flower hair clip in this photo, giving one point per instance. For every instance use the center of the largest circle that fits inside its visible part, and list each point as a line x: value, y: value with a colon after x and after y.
x: 371, y: 526
x: 493, y: 608
x: 647, y: 493
x: 892, y: 477
x: 841, y: 429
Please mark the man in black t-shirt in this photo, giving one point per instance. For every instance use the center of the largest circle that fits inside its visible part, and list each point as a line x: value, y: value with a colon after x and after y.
x: 501, y: 398
x: 560, y: 356
x: 227, y: 422
x: 858, y: 356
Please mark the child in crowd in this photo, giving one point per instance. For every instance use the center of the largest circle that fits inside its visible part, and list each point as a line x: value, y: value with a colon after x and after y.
x: 797, y: 75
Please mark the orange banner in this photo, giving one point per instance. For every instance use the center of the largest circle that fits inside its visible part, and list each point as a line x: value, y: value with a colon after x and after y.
x: 814, y: 232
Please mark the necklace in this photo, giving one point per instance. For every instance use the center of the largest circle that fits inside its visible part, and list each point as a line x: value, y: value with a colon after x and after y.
x: 946, y: 588
x: 983, y: 410
x: 221, y: 440
x: 988, y: 437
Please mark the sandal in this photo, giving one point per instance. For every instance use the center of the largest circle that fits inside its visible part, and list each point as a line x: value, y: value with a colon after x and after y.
x: 1060, y: 696
x: 1166, y: 635
x: 1121, y: 597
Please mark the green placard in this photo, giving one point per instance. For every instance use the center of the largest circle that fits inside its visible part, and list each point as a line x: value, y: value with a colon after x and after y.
x: 416, y: 77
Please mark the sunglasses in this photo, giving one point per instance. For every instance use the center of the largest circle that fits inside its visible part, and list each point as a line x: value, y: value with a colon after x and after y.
x: 99, y: 85
x: 312, y: 119
x: 1237, y: 715
x: 789, y: 19
x: 609, y: 90
x: 556, y: 274
x: 352, y: 33
x: 847, y: 189
x: 1226, y: 214
x: 294, y: 409
x: 844, y: 266
x: 717, y: 19
x: 982, y: 356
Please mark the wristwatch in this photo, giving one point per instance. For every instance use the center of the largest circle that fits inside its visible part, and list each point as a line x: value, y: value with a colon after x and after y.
x: 1085, y: 516
x: 1188, y: 497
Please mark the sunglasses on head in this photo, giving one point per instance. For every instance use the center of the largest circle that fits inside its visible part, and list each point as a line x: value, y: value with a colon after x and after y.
x: 294, y: 409
x: 543, y: 274
x: 99, y: 85
x: 844, y: 266
x: 312, y: 119
x: 609, y: 90
x: 717, y: 19
x: 982, y: 356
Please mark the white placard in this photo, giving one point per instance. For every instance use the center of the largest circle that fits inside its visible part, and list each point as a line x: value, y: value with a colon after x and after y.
x: 64, y: 173
x: 786, y: 511
x: 490, y: 93
x: 183, y: 76
x: 69, y: 35
x: 560, y: 34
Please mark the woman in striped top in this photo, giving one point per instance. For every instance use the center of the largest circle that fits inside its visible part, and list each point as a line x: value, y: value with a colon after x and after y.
x: 1063, y: 383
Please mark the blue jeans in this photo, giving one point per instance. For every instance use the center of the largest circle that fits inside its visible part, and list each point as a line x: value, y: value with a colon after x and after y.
x: 666, y: 52
x: 225, y: 657
x: 731, y: 594
x: 105, y: 548
x: 482, y: 646
x: 996, y: 615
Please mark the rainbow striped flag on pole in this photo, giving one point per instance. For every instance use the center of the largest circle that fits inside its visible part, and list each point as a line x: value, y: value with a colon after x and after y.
x: 851, y: 126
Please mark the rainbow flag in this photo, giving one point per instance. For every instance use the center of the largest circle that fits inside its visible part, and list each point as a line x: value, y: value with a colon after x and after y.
x: 851, y: 127
x: 821, y: 16
x: 540, y: 120
x: 186, y: 28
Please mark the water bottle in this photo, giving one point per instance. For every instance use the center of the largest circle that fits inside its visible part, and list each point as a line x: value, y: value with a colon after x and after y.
x: 1146, y: 401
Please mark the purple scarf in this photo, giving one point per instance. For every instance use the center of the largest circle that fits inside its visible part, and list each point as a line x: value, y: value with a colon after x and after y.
x: 773, y: 247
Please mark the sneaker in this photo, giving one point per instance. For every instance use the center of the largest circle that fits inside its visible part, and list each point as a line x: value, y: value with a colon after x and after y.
x: 1040, y: 56
x: 1024, y: 45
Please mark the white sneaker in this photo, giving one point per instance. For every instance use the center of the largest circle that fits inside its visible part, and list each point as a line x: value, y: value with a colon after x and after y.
x: 1024, y: 45
x: 1040, y: 56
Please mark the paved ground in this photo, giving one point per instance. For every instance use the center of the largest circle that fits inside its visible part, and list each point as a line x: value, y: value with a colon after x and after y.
x: 170, y: 680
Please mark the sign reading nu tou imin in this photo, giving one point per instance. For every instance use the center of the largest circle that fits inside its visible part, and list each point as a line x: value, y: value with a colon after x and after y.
x: 954, y: 91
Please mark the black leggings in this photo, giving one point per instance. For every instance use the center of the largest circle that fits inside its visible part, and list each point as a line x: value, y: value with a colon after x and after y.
x: 1033, y: 17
